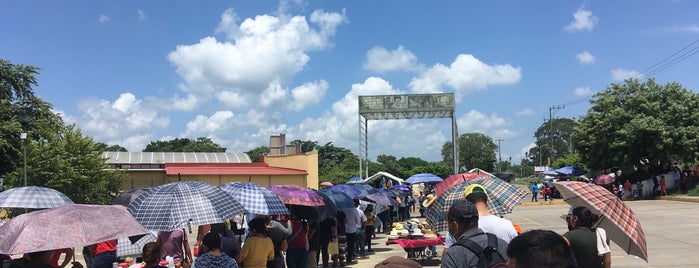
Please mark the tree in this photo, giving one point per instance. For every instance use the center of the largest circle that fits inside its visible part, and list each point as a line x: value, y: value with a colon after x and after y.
x: 336, y: 164
x: 640, y: 121
x: 569, y: 160
x: 476, y: 150
x: 110, y: 148
x: 306, y: 146
x: 201, y: 144
x: 554, y: 139
x: 256, y: 153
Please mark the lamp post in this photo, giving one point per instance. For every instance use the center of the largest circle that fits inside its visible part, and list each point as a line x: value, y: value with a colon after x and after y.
x: 24, y: 115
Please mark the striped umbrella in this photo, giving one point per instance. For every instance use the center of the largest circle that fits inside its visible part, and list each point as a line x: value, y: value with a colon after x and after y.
x: 617, y: 218
x: 255, y: 198
x: 33, y: 197
x: 502, y: 198
x: 180, y: 204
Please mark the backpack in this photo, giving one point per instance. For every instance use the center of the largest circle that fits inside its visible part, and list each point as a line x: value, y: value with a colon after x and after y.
x: 488, y: 256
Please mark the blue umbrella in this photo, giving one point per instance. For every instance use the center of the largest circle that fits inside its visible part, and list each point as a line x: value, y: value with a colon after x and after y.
x: 255, y: 198
x: 571, y: 171
x: 402, y: 188
x: 423, y: 178
x: 347, y: 189
x: 364, y: 189
x: 355, y: 179
x: 33, y: 197
x: 341, y: 199
x: 551, y: 173
x: 380, y: 198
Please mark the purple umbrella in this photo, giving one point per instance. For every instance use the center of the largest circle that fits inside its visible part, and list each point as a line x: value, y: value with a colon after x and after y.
x: 379, y: 198
x: 347, y: 189
x: 297, y: 195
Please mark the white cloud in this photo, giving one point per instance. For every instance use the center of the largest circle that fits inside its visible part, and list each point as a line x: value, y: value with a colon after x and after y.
x: 464, y: 75
x: 380, y: 60
x: 277, y: 47
x: 475, y: 121
x: 583, y: 91
x: 309, y: 93
x: 583, y: 20
x: 586, y: 58
x: 103, y: 18
x: 622, y: 74
x: 524, y: 112
x: 690, y: 29
x: 141, y: 15
x: 127, y: 121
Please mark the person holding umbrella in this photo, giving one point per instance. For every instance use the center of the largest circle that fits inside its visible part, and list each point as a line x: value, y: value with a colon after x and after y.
x: 590, y: 245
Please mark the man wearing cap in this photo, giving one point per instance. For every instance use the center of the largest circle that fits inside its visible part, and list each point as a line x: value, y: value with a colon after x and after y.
x: 490, y: 223
x: 462, y: 220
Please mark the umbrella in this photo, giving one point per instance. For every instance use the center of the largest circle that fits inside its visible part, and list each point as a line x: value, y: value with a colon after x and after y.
x: 423, y: 178
x: 402, y: 188
x: 454, y: 180
x: 364, y: 188
x: 617, y: 219
x: 297, y: 195
x: 347, y: 189
x: 326, y: 184
x: 387, y: 192
x: 33, y: 197
x: 179, y: 204
x: 126, y: 247
x: 125, y: 198
x: 571, y: 171
x: 605, y: 179
x: 328, y: 210
x: 340, y: 199
x: 380, y: 198
x: 552, y: 172
x: 255, y: 198
x: 355, y: 179
x: 502, y: 198
x: 72, y: 225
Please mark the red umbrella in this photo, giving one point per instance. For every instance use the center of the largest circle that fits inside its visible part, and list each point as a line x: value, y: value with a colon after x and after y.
x: 297, y: 195
x: 69, y: 226
x: 605, y: 179
x: 617, y: 219
x: 455, y: 179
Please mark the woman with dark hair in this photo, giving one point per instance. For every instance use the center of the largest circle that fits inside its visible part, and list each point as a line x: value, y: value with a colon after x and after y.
x: 258, y: 248
x: 540, y: 249
x: 214, y: 258
x: 151, y: 255
x: 590, y: 245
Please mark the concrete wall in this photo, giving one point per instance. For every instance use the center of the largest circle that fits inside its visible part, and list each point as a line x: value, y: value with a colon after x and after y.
x: 141, y: 179
x: 306, y: 161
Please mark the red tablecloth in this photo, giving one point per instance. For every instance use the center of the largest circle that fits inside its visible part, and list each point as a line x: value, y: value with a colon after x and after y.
x: 418, y: 243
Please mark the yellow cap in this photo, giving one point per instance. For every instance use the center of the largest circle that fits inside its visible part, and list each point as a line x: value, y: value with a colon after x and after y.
x: 477, y: 187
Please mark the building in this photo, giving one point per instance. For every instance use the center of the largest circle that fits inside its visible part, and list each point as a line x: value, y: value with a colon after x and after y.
x: 147, y: 169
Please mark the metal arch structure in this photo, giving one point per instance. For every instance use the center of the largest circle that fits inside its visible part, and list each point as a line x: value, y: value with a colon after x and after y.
x: 406, y: 106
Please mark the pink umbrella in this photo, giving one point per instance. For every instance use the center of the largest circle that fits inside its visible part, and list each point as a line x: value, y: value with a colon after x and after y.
x: 605, y: 179
x: 326, y: 184
x: 73, y: 225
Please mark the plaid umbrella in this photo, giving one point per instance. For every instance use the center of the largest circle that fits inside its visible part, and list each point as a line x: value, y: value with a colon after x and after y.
x: 180, y: 204
x: 72, y: 225
x: 617, y: 219
x: 502, y: 198
x: 33, y: 197
x: 297, y: 195
x: 423, y: 178
x: 127, y: 248
x: 455, y: 179
x: 255, y: 198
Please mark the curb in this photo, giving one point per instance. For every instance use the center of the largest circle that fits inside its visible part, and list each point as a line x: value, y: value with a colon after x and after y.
x: 681, y: 198
x: 542, y: 203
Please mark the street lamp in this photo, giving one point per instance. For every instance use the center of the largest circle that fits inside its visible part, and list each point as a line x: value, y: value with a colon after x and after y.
x: 24, y: 115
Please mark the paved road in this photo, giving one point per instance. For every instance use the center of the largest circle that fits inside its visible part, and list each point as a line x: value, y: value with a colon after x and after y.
x: 671, y: 228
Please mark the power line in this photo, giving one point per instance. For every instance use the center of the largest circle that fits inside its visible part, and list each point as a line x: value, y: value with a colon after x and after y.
x: 685, y: 52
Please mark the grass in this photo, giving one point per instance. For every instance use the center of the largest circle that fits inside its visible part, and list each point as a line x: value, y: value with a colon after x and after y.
x: 694, y: 192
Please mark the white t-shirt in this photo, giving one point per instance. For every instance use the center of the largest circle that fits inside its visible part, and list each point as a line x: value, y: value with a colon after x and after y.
x: 500, y: 227
x: 353, y: 219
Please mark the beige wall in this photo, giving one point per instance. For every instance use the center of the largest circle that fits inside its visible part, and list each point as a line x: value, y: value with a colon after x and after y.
x: 142, y: 179
x: 306, y: 161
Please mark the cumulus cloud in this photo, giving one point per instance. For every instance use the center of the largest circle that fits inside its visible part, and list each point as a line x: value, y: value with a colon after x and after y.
x: 524, y: 112
x: 103, y: 18
x: 127, y: 121
x: 275, y: 47
x: 583, y: 20
x: 586, y: 58
x: 380, y: 60
x: 583, y: 91
x: 309, y: 93
x: 475, y: 121
x: 141, y: 15
x: 622, y: 74
x: 464, y: 75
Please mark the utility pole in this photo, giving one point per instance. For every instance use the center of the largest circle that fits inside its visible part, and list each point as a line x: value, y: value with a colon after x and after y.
x: 499, y: 156
x: 556, y: 107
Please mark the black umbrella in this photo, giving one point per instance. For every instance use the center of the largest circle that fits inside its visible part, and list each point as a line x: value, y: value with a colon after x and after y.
x: 126, y: 197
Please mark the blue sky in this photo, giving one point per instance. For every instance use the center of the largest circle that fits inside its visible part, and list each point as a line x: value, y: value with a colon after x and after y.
x: 131, y: 72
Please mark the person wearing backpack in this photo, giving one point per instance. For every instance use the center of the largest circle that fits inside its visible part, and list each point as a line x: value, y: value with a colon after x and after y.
x: 474, y: 248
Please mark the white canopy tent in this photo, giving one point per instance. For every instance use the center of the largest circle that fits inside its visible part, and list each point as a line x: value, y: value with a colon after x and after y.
x: 382, y: 174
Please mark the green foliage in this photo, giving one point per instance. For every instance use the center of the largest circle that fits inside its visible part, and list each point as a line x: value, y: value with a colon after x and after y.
x: 569, y: 160
x: 306, y: 146
x: 256, y: 153
x: 201, y: 144
x: 553, y: 140
x: 110, y: 148
x: 636, y: 120
x: 694, y: 192
x: 476, y: 150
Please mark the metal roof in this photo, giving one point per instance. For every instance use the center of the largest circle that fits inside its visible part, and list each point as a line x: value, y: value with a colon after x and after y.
x: 229, y: 169
x: 173, y: 157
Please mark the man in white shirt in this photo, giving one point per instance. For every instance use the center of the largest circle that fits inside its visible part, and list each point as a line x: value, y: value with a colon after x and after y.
x: 352, y: 220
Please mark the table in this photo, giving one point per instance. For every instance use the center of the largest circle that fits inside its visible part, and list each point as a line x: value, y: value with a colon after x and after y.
x: 416, y: 247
